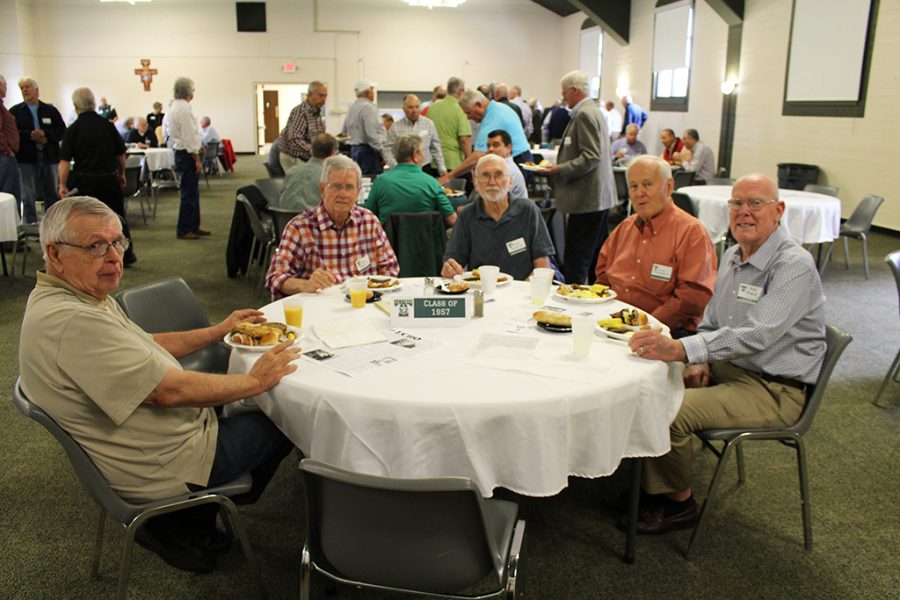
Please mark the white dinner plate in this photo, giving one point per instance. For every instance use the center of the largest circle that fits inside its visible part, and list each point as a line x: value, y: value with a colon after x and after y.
x: 396, y: 284
x: 611, y: 334
x: 534, y: 168
x: 455, y: 194
x: 236, y: 346
x: 558, y: 296
x: 477, y: 283
x: 652, y: 322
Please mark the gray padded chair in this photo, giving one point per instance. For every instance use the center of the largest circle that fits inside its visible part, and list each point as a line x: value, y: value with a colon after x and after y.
x: 170, y: 305
x: 836, y: 341
x: 893, y: 261
x: 132, y: 190
x: 858, y: 225
x: 281, y: 217
x: 132, y: 515
x: 457, y: 184
x: 263, y: 239
x: 815, y: 188
x: 431, y: 537
x: 271, y: 189
x: 683, y: 178
x: 683, y: 201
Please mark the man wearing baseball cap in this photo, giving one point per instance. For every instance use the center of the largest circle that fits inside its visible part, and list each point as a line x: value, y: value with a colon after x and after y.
x: 363, y: 125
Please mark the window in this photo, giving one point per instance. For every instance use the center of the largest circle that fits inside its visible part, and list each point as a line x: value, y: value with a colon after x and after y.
x: 592, y: 54
x: 673, y: 34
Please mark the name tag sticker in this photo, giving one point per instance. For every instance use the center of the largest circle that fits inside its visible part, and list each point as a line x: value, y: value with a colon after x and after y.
x: 46, y: 120
x: 362, y: 263
x: 567, y: 140
x: 516, y: 246
x: 661, y: 272
x: 750, y: 293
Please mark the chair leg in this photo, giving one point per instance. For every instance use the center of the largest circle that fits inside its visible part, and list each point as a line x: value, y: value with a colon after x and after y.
x: 98, y: 546
x: 804, y: 493
x: 127, y: 551
x: 865, y: 246
x: 234, y: 523
x: 892, y: 373
x: 704, y: 509
x: 305, y: 574
x: 739, y: 454
x: 846, y: 254
x: 251, y: 259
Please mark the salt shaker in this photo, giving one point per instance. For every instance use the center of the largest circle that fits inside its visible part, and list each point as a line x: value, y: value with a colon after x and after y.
x: 429, y: 286
x: 479, y: 304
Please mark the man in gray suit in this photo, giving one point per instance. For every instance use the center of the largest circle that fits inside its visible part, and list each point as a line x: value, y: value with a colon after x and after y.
x: 582, y: 179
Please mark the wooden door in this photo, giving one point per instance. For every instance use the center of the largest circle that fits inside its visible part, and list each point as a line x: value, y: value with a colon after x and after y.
x: 270, y: 115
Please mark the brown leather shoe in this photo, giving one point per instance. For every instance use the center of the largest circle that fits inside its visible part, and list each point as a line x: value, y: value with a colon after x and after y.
x: 202, y: 232
x: 190, y: 235
x: 663, y: 517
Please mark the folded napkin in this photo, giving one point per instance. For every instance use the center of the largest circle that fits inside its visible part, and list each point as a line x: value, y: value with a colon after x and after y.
x: 344, y: 333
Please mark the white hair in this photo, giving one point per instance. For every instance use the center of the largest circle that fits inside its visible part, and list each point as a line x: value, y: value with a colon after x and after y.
x: 338, y: 163
x: 578, y: 80
x: 55, y: 224
x: 472, y: 97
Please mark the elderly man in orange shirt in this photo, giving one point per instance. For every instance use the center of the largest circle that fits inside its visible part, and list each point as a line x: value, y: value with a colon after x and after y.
x: 659, y: 259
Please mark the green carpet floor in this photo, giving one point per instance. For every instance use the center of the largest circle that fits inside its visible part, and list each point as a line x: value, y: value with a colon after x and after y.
x: 753, y: 548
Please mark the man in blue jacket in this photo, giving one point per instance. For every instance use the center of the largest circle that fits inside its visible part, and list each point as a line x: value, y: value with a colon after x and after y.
x: 41, y: 129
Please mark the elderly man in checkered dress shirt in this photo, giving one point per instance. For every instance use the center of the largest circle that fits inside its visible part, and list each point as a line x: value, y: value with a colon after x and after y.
x: 760, y: 343
x: 332, y: 242
x: 304, y: 124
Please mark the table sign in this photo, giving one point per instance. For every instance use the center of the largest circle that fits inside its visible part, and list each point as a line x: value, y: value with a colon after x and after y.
x: 430, y: 311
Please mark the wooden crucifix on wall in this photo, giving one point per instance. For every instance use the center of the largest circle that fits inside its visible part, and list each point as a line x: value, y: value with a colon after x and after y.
x: 146, y: 73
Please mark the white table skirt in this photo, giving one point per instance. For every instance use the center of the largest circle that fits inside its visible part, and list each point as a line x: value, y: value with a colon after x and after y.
x: 808, y: 218
x: 159, y: 158
x: 435, y: 415
x: 9, y: 219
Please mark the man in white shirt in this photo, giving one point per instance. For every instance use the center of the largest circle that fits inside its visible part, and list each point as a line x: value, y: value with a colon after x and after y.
x: 696, y: 156
x: 184, y: 138
x: 515, y: 96
x: 414, y: 123
x: 613, y: 120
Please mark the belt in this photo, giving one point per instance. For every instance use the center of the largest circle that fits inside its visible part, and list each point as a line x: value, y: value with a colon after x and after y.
x: 783, y: 381
x: 95, y: 173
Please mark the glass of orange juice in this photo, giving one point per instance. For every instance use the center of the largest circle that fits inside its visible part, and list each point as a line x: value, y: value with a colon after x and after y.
x: 293, y: 311
x: 359, y: 289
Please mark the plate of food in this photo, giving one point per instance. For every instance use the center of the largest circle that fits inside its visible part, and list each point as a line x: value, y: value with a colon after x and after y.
x: 473, y: 278
x: 258, y: 337
x: 371, y: 296
x: 622, y: 324
x: 342, y: 137
x: 451, y: 193
x: 536, y: 167
x: 452, y: 288
x: 553, y: 321
x: 384, y: 284
x: 584, y: 294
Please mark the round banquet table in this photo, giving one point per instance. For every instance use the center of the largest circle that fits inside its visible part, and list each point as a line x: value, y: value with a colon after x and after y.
x: 808, y: 218
x: 438, y: 414
x: 9, y: 219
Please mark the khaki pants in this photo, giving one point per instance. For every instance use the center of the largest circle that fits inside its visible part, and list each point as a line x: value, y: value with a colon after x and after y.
x: 735, y: 398
x: 287, y: 161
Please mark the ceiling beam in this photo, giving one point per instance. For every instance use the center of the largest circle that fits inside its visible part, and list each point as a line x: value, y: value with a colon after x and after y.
x: 613, y: 17
x: 731, y: 11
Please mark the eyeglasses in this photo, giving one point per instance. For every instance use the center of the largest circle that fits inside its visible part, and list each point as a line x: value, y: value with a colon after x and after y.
x: 101, y: 249
x: 754, y: 204
x: 485, y: 177
x: 337, y: 187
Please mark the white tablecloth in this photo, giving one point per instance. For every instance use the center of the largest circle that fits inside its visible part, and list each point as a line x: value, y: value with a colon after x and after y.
x: 436, y: 415
x: 808, y: 218
x: 9, y: 219
x: 159, y: 158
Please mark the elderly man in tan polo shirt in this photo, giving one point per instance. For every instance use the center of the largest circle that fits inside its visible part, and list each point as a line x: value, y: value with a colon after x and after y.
x: 147, y: 425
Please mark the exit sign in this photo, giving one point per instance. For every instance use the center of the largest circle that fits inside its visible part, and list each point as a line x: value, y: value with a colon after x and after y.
x: 289, y: 67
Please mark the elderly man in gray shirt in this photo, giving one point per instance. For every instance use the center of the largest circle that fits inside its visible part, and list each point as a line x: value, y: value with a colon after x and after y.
x: 497, y: 229
x: 301, y: 184
x: 363, y: 126
x: 760, y: 344
x: 413, y: 122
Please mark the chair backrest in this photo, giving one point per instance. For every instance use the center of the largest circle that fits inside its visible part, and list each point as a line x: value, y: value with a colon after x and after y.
x: 281, y: 217
x: 212, y: 151
x: 259, y: 232
x: 683, y: 201
x: 271, y: 189
x: 864, y: 213
x: 683, y: 178
x: 893, y: 261
x: 182, y: 310
x: 132, y: 181
x: 419, y: 240
x: 836, y: 341
x: 457, y: 184
x: 91, y: 480
x: 429, y: 535
x: 821, y: 189
x: 720, y: 181
x: 621, y: 184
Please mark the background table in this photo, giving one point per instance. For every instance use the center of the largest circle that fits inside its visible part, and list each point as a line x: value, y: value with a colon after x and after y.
x: 9, y: 218
x: 546, y: 153
x: 808, y: 218
x: 436, y: 415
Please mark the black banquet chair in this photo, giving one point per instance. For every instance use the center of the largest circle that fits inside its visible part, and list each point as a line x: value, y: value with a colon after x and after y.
x: 132, y: 515
x: 423, y: 537
x: 836, y: 342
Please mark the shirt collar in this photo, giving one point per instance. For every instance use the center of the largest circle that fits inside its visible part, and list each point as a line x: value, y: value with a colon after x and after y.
x: 766, y: 252
x: 658, y: 222
x: 511, y: 211
x: 44, y: 279
x: 325, y: 221
x: 577, y: 106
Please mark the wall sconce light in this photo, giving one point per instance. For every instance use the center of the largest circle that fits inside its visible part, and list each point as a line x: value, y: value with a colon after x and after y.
x: 729, y: 86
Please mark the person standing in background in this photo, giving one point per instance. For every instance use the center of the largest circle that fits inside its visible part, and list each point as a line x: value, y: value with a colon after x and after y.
x: 9, y: 145
x: 184, y: 137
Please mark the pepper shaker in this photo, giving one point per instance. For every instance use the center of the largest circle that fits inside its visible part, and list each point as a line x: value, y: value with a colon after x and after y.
x: 479, y: 304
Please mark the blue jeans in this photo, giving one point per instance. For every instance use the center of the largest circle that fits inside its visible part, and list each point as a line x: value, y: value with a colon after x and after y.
x: 189, y: 211
x: 9, y: 176
x: 368, y: 159
x: 42, y: 177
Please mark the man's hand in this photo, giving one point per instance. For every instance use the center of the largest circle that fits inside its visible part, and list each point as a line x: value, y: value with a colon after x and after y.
x: 239, y: 316
x: 275, y: 364
x: 197, y: 164
x: 654, y: 346
x: 62, y: 190
x: 697, y: 376
x: 319, y: 280
x: 122, y: 180
x: 619, y: 154
x: 444, y: 179
x: 549, y: 171
x: 39, y: 136
x: 451, y: 268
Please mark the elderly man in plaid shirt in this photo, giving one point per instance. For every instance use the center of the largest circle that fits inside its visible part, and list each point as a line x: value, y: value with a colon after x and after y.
x: 333, y: 241
x: 760, y: 344
x: 304, y: 124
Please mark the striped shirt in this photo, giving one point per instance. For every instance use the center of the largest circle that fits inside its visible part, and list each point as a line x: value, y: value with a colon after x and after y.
x: 431, y: 143
x: 304, y: 124
x: 767, y: 313
x: 312, y: 241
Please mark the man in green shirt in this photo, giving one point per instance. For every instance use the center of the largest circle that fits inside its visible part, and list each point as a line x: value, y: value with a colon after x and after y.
x: 406, y: 187
x: 452, y: 124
